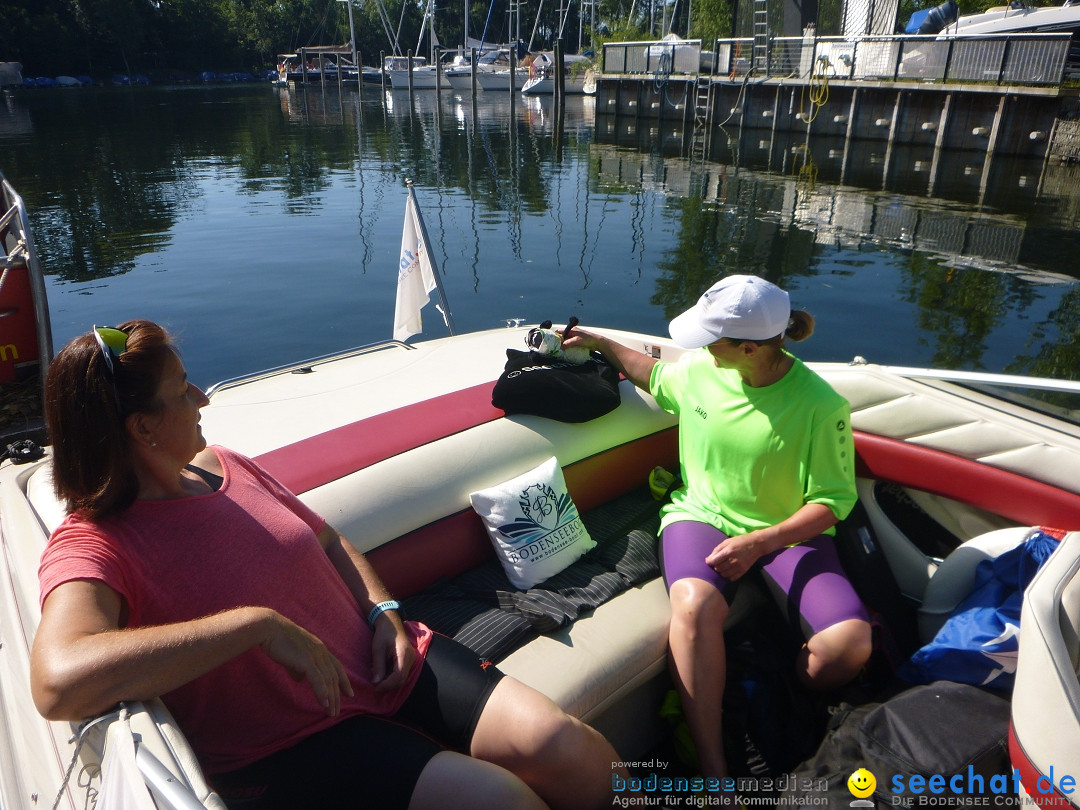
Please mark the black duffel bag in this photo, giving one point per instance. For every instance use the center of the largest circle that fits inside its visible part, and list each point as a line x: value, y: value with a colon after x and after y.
x: 540, y: 385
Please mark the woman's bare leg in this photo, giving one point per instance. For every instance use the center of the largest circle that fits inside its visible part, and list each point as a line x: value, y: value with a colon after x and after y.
x: 567, y: 763
x: 834, y: 656
x: 699, y: 666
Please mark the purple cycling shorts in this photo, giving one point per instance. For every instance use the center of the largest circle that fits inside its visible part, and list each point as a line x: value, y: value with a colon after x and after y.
x: 808, y: 576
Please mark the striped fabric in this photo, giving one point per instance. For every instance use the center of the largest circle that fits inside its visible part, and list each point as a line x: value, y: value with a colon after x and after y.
x: 483, y: 611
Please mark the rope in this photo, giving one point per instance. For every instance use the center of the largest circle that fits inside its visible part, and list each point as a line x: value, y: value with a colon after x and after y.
x: 739, y: 98
x: 661, y: 75
x: 817, y: 89
x: 662, y: 72
x: 79, y: 739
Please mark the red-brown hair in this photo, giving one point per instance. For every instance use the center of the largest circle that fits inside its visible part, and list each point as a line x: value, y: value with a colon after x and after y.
x: 85, y: 410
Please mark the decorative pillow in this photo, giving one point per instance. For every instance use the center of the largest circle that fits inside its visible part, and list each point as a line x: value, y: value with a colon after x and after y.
x: 533, y: 524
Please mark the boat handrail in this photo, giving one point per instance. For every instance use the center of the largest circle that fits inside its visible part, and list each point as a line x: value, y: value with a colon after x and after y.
x: 164, y: 784
x: 305, y: 366
x: 664, y: 42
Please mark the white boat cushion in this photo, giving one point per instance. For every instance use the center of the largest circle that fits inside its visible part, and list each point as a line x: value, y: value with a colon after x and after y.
x: 590, y: 666
x: 955, y: 577
x: 533, y: 523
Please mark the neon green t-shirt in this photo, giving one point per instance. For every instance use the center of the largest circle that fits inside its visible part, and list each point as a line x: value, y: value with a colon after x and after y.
x: 752, y: 457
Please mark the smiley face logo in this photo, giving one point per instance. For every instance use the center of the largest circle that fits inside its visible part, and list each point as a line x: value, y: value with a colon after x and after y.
x: 861, y: 783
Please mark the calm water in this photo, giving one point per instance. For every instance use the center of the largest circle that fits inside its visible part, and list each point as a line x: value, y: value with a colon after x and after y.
x: 263, y: 225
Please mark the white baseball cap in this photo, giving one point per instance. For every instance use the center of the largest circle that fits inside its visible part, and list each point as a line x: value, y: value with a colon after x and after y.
x: 739, y: 307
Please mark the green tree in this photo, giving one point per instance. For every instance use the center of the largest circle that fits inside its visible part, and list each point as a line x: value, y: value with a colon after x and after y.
x: 710, y: 20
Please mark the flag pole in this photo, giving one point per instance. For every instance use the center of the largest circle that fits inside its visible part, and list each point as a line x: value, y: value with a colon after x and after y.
x: 448, y: 319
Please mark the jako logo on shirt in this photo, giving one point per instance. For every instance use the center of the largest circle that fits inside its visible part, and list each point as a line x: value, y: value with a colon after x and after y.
x: 701, y: 412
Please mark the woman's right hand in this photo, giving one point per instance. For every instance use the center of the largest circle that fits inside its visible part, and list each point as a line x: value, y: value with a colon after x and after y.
x: 305, y: 657
x: 579, y: 337
x: 636, y: 366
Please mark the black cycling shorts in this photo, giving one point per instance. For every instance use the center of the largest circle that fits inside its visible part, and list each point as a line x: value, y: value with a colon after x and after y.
x: 368, y: 761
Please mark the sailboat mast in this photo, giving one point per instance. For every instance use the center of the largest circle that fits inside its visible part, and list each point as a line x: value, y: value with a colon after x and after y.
x: 536, y: 24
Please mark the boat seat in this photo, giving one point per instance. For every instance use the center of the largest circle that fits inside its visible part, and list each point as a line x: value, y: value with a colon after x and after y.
x: 954, y: 578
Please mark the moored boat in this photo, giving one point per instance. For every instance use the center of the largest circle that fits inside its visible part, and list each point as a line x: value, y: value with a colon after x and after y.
x: 25, y: 329
x: 492, y: 73
x: 542, y: 76
x: 423, y: 75
x: 501, y: 79
x: 1018, y: 17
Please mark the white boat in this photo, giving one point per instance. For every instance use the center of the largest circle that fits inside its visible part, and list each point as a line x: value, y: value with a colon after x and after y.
x: 390, y: 439
x: 1017, y: 18
x: 424, y: 76
x: 500, y: 79
x: 459, y: 78
x: 542, y: 76
x: 492, y: 73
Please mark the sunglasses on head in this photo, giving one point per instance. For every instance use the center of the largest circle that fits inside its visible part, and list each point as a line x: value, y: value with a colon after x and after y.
x: 113, y: 343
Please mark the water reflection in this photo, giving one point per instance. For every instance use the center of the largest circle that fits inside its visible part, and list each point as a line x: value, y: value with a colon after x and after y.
x: 967, y: 270
x: 536, y: 210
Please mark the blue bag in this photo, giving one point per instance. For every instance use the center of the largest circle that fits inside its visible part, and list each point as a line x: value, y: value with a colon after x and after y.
x: 978, y: 643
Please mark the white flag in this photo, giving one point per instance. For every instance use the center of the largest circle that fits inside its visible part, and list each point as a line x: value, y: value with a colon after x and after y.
x: 416, y: 278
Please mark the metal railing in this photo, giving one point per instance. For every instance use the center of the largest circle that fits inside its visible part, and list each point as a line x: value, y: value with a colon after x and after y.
x: 1026, y: 59
x: 653, y: 58
x: 1000, y: 59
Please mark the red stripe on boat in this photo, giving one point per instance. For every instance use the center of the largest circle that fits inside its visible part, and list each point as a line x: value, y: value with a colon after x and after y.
x: 1030, y: 777
x: 1013, y: 496
x: 454, y: 544
x: 312, y: 462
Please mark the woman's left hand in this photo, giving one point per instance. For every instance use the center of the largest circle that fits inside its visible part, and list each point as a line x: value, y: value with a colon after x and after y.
x: 735, y: 556
x: 392, y: 655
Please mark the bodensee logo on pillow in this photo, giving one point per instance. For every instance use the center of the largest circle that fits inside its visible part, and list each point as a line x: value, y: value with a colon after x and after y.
x: 549, y: 522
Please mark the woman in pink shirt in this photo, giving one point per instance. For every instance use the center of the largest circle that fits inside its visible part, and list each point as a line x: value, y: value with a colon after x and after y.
x: 187, y: 572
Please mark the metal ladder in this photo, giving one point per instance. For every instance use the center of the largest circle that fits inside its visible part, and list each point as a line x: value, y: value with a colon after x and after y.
x: 699, y: 144
x: 761, y: 36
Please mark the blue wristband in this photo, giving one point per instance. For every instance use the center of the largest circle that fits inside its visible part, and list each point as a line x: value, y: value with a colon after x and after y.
x: 380, y: 609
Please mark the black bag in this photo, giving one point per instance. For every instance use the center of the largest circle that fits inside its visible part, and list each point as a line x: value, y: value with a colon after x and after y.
x: 536, y: 384
x: 770, y: 723
x: 942, y: 728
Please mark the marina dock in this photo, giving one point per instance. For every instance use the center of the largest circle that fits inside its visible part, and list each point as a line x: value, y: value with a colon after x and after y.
x: 1003, y: 95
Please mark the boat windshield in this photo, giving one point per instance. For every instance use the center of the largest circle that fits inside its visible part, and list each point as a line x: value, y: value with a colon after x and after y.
x: 1060, y: 404
x: 1027, y: 397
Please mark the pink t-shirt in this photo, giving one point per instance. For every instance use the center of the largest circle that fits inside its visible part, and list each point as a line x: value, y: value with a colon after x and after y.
x: 251, y: 542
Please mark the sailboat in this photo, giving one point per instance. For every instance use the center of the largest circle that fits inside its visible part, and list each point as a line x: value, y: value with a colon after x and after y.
x: 577, y: 78
x: 542, y: 76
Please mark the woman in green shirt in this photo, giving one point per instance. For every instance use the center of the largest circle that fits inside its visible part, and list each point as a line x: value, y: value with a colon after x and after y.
x: 767, y: 461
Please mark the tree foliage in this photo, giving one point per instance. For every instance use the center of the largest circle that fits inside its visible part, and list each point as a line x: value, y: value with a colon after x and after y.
x: 167, y: 38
